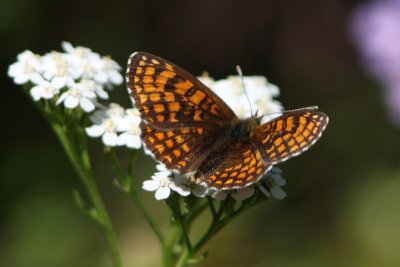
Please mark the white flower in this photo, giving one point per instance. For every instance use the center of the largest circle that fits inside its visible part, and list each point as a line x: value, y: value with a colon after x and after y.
x: 103, y: 70
x: 106, y: 123
x: 272, y: 184
x: 218, y: 194
x: 185, y: 188
x: 55, y: 67
x: 131, y: 130
x: 161, y: 183
x: 242, y: 194
x: 45, y: 90
x: 83, y: 72
x: 238, y: 194
x: 90, y: 85
x: 78, y: 51
x: 78, y: 95
x: 108, y: 72
x: 26, y: 69
x: 261, y: 95
x: 207, y: 80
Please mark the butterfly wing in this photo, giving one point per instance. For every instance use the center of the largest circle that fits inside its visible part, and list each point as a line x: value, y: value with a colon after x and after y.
x: 272, y: 142
x: 179, y: 113
x: 180, y: 149
x: 170, y: 97
x: 242, y: 166
x: 289, y: 135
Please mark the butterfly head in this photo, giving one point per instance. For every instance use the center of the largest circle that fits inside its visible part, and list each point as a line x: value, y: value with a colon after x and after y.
x: 257, y: 117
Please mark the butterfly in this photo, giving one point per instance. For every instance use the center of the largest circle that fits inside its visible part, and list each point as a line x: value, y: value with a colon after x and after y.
x: 191, y: 130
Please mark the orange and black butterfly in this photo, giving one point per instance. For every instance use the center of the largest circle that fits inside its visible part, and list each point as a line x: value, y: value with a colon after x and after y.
x: 190, y: 129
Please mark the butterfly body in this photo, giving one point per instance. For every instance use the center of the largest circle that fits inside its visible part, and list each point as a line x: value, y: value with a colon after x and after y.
x: 231, y: 136
x: 193, y: 131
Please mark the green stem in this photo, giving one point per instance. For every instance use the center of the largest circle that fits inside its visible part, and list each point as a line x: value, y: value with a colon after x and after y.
x: 184, y: 259
x: 180, y: 217
x: 127, y: 185
x: 168, y: 254
x: 81, y: 163
x: 153, y: 225
x: 82, y: 166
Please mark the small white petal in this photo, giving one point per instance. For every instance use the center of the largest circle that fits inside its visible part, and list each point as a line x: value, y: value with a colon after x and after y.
x: 102, y: 94
x: 116, y: 78
x: 22, y: 79
x: 62, y: 98
x: 163, y: 193
x: 38, y: 80
x: 150, y: 185
x: 161, y: 167
x: 94, y: 131
x: 101, y: 77
x: 243, y: 194
x: 200, y: 190
x: 277, y: 192
x: 134, y: 142
x: 88, y: 94
x: 180, y: 189
x: 59, y: 82
x: 219, y: 195
x: 110, y: 139
x: 36, y: 92
x: 278, y: 179
x: 71, y: 102
x: 87, y: 105
x: 264, y: 191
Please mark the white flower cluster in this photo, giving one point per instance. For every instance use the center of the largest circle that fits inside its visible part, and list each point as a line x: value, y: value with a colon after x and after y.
x: 162, y: 183
x: 75, y: 77
x: 116, y: 126
x: 260, y: 93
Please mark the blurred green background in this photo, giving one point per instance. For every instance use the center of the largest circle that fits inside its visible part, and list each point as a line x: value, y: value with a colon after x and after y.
x: 343, y: 201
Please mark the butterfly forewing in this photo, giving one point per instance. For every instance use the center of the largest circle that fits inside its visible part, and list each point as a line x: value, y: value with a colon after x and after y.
x: 170, y: 97
x: 179, y: 113
x: 289, y: 134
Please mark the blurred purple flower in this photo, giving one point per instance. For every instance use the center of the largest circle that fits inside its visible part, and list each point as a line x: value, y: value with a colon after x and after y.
x: 375, y: 29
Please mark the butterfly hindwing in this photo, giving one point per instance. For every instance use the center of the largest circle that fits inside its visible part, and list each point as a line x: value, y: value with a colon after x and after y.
x: 241, y: 167
x: 179, y: 149
x: 289, y: 135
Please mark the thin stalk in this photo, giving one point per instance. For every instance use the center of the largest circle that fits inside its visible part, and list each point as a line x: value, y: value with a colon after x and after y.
x: 81, y: 164
x: 127, y: 186
x: 168, y: 254
x: 184, y: 259
x: 153, y: 225
x: 181, y: 220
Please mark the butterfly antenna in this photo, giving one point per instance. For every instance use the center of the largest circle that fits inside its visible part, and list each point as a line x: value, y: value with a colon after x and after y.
x: 300, y: 109
x: 239, y: 71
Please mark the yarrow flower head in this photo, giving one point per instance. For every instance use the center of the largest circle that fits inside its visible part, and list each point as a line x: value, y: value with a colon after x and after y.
x: 75, y: 78
x: 26, y: 69
x: 162, y: 183
x: 270, y: 185
x: 116, y: 126
x: 261, y: 95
